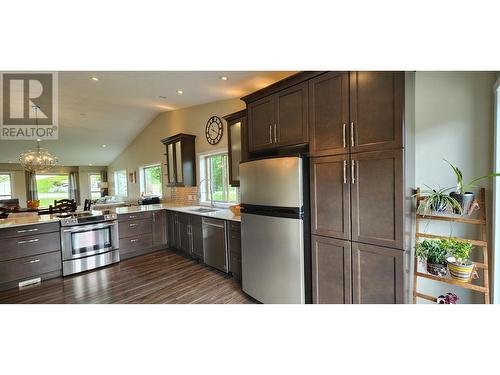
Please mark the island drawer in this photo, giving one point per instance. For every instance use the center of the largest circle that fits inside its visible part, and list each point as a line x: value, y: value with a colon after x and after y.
x: 29, y: 267
x: 135, y: 216
x: 20, y: 247
x: 27, y: 230
x: 135, y: 228
x: 135, y: 244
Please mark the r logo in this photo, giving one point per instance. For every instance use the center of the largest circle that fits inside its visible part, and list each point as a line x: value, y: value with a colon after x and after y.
x: 21, y: 92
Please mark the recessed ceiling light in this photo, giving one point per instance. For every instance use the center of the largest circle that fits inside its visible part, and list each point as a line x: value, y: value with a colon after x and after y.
x: 94, y: 78
x: 103, y: 145
x: 180, y: 92
x: 162, y: 97
x: 224, y: 78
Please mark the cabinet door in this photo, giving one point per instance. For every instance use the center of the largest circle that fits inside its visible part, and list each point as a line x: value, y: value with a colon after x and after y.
x: 196, y: 236
x: 159, y: 228
x: 184, y: 234
x: 171, y: 163
x: 260, y: 124
x: 331, y: 270
x: 179, y: 176
x: 377, y: 274
x: 377, y: 198
x: 376, y: 106
x: 235, y: 142
x: 234, y: 244
x: 329, y: 114
x: 177, y: 231
x: 291, y: 113
x: 170, y: 229
x: 330, y: 196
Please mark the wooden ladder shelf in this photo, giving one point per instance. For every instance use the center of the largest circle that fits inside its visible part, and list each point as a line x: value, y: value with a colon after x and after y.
x: 482, y: 243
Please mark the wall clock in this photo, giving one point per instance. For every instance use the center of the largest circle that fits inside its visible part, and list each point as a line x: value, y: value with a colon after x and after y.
x: 213, y: 130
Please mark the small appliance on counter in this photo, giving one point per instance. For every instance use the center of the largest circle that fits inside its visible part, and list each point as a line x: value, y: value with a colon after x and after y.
x: 149, y: 200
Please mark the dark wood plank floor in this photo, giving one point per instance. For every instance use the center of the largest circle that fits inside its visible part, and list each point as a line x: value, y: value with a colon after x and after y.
x: 159, y: 277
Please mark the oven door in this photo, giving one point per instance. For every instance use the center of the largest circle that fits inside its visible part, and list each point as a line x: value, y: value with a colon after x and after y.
x: 85, y: 240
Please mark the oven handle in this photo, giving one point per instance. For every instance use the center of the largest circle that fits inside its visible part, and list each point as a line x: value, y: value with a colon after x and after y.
x: 89, y: 227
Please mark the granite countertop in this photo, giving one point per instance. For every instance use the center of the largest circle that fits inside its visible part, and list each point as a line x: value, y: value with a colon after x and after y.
x: 28, y: 220
x: 220, y: 213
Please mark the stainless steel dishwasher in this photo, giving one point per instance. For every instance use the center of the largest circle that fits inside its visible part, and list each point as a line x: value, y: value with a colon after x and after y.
x: 214, y: 243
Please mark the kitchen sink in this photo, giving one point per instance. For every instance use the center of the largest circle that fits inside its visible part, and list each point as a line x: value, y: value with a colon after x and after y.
x: 203, y: 210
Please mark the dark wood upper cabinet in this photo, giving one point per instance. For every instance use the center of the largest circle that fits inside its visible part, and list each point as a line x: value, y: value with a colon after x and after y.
x: 291, y: 115
x: 377, y: 274
x: 236, y: 144
x: 181, y: 159
x: 331, y: 270
x: 377, y: 198
x: 260, y: 124
x: 330, y: 196
x: 329, y: 114
x: 376, y: 110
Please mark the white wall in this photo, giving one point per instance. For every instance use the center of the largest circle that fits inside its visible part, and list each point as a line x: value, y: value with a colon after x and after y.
x: 453, y: 120
x: 146, y: 148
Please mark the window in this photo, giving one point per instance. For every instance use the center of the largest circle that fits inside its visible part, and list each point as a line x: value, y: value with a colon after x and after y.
x: 151, y: 180
x: 95, y: 180
x: 52, y: 187
x: 121, y: 183
x: 215, y: 177
x: 5, y: 186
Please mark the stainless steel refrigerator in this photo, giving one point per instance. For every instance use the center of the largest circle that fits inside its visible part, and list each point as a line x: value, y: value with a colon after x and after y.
x: 274, y: 229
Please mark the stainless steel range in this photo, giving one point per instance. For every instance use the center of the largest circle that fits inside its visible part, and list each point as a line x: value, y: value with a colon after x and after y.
x: 88, y: 240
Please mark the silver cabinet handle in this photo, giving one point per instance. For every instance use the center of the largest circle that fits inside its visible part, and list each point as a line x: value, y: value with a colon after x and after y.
x: 132, y: 225
x: 134, y: 240
x: 345, y: 171
x: 275, y: 136
x: 344, y: 143
x: 27, y: 230
x: 32, y: 261
x: 352, y: 134
x: 132, y: 216
x: 28, y: 241
x: 270, y: 134
x: 353, y: 166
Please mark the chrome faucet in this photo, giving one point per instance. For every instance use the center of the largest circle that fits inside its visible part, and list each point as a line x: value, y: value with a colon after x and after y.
x: 210, y: 189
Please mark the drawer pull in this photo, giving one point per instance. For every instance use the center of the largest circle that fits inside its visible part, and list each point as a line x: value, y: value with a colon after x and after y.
x: 134, y: 240
x: 32, y: 261
x: 27, y: 230
x: 132, y: 216
x: 132, y: 225
x: 27, y: 241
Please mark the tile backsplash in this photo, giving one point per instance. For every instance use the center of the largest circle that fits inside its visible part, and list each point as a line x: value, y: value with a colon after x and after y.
x: 188, y: 196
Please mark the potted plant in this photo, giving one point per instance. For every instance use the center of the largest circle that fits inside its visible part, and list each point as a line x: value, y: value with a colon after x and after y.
x: 464, y: 197
x: 459, y: 265
x: 437, y: 200
x: 433, y: 252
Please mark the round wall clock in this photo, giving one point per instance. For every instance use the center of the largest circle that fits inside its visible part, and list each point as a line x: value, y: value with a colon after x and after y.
x: 213, y: 130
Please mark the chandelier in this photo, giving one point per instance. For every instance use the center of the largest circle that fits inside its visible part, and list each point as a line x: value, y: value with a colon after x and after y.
x: 40, y: 159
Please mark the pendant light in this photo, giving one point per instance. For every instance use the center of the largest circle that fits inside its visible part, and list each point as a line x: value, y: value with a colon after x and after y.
x: 38, y: 160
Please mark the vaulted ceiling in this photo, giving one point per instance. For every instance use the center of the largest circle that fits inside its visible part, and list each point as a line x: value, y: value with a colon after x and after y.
x: 114, y: 109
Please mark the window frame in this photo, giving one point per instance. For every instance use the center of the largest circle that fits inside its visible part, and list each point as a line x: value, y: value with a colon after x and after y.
x: 90, y: 185
x: 204, y: 193
x: 11, y: 183
x: 50, y: 174
x: 142, y: 178
x: 115, y: 177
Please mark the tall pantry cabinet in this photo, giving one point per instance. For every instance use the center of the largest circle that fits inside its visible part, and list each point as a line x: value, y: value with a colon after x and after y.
x: 356, y: 122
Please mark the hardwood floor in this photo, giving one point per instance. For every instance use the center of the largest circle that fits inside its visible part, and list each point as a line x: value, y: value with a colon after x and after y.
x: 159, y: 277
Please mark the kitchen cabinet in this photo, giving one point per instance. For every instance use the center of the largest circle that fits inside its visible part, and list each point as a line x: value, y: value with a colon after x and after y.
x: 331, y: 270
x: 159, y: 228
x: 329, y: 114
x: 236, y: 144
x: 181, y: 160
x: 234, y: 249
x: 29, y: 252
x: 135, y: 231
x: 183, y: 239
x: 376, y: 110
x: 171, y: 238
x: 356, y: 112
x: 377, y: 198
x: 330, y: 196
x: 279, y: 120
x: 377, y: 274
x: 196, y: 236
